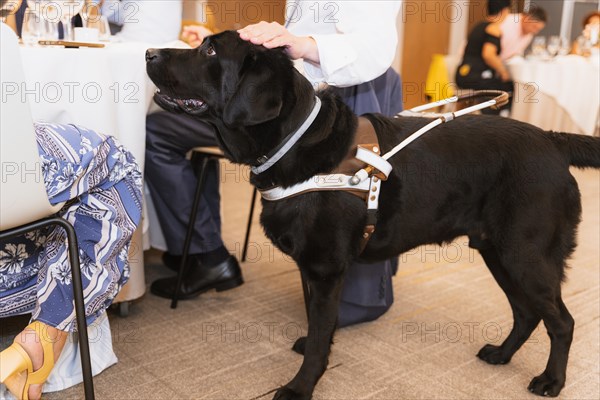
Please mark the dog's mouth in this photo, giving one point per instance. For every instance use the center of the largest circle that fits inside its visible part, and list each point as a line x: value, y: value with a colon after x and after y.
x: 190, y: 106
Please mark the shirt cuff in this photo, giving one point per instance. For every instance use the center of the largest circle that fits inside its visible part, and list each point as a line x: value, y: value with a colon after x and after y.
x: 335, y: 53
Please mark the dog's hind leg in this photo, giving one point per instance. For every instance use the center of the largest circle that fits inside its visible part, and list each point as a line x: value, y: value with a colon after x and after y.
x: 324, y: 304
x: 537, y: 279
x: 525, y: 318
x: 559, y: 324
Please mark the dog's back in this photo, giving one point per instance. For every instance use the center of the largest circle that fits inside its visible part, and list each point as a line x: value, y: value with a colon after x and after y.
x: 476, y: 176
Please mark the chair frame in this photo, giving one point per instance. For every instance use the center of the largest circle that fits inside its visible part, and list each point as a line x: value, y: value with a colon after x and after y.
x: 73, y: 248
x: 205, y: 155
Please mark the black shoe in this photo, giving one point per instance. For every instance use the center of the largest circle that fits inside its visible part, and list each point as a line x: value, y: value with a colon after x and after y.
x: 173, y: 262
x: 199, y: 279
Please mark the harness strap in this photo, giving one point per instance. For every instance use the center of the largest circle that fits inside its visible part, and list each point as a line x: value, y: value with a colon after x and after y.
x: 364, y: 151
x: 317, y: 183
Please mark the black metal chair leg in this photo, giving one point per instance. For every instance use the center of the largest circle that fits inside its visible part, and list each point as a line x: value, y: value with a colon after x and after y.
x: 84, y: 347
x: 249, y: 225
x: 190, y: 230
x: 86, y: 365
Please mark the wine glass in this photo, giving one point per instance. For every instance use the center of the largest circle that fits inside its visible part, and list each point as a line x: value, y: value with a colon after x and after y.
x: 538, y: 47
x: 37, y: 5
x: 90, y: 13
x: 100, y: 22
x: 68, y: 9
x: 584, y: 46
x: 35, y: 28
x: 8, y: 7
x: 565, y: 46
x: 553, y: 45
x: 45, y: 10
x: 594, y: 34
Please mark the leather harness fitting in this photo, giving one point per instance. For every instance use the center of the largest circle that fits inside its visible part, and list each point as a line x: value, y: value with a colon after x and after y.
x: 364, y: 148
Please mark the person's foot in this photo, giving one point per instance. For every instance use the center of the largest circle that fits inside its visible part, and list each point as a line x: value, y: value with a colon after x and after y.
x: 200, y: 278
x: 30, y: 339
x: 173, y: 262
x: 209, y: 258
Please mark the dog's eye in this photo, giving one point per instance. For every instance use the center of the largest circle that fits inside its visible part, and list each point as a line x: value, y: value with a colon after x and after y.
x: 210, y: 51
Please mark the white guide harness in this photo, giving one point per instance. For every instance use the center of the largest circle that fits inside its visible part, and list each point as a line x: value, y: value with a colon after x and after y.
x: 368, y: 180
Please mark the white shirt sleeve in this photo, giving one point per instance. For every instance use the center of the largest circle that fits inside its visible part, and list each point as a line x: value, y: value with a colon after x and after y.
x: 363, y: 46
x: 147, y: 21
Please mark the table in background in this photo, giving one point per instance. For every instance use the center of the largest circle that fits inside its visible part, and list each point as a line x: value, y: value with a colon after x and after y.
x: 562, y: 94
x: 104, y: 89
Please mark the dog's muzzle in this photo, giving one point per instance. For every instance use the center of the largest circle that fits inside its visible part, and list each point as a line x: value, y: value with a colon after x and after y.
x: 189, y: 106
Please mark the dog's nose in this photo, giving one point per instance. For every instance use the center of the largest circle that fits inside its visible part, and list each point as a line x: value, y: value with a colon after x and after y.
x: 151, y: 54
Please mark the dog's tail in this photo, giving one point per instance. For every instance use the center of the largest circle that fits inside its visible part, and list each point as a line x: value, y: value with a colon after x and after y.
x: 583, y: 151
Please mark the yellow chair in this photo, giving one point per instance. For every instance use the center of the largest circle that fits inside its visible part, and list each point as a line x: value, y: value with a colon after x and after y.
x: 438, y: 84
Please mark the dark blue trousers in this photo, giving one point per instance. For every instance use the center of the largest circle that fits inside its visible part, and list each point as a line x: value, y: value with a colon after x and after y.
x: 368, y: 291
x: 171, y: 181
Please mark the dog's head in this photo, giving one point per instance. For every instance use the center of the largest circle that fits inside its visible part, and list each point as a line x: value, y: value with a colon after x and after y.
x: 250, y: 93
x: 225, y: 78
x: 255, y: 98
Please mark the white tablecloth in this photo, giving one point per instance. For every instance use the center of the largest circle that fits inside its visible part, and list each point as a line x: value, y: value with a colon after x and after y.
x: 104, y: 89
x: 571, y: 83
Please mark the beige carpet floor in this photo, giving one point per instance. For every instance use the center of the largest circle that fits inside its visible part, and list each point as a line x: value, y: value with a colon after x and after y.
x: 236, y: 344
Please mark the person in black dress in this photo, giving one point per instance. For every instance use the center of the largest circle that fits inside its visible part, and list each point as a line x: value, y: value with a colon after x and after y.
x: 482, y: 67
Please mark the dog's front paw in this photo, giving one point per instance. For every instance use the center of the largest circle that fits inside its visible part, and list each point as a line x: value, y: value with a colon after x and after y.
x: 544, y: 385
x: 300, y: 345
x: 286, y: 393
x: 493, y: 355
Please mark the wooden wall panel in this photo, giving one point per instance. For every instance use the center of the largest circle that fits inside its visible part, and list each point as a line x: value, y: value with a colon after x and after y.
x: 426, y: 32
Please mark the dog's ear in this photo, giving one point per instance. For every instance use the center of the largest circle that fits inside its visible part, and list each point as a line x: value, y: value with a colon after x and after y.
x: 257, y: 97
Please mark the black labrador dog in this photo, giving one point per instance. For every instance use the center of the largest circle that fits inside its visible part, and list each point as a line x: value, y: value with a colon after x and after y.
x: 503, y: 183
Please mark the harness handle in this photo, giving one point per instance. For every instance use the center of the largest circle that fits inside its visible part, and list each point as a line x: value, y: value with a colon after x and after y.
x: 500, y: 97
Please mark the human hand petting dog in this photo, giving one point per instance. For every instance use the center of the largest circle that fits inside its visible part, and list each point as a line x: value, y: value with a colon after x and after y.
x: 273, y: 34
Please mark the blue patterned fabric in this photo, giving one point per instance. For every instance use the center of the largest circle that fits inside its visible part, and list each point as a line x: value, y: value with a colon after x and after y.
x: 101, y: 184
